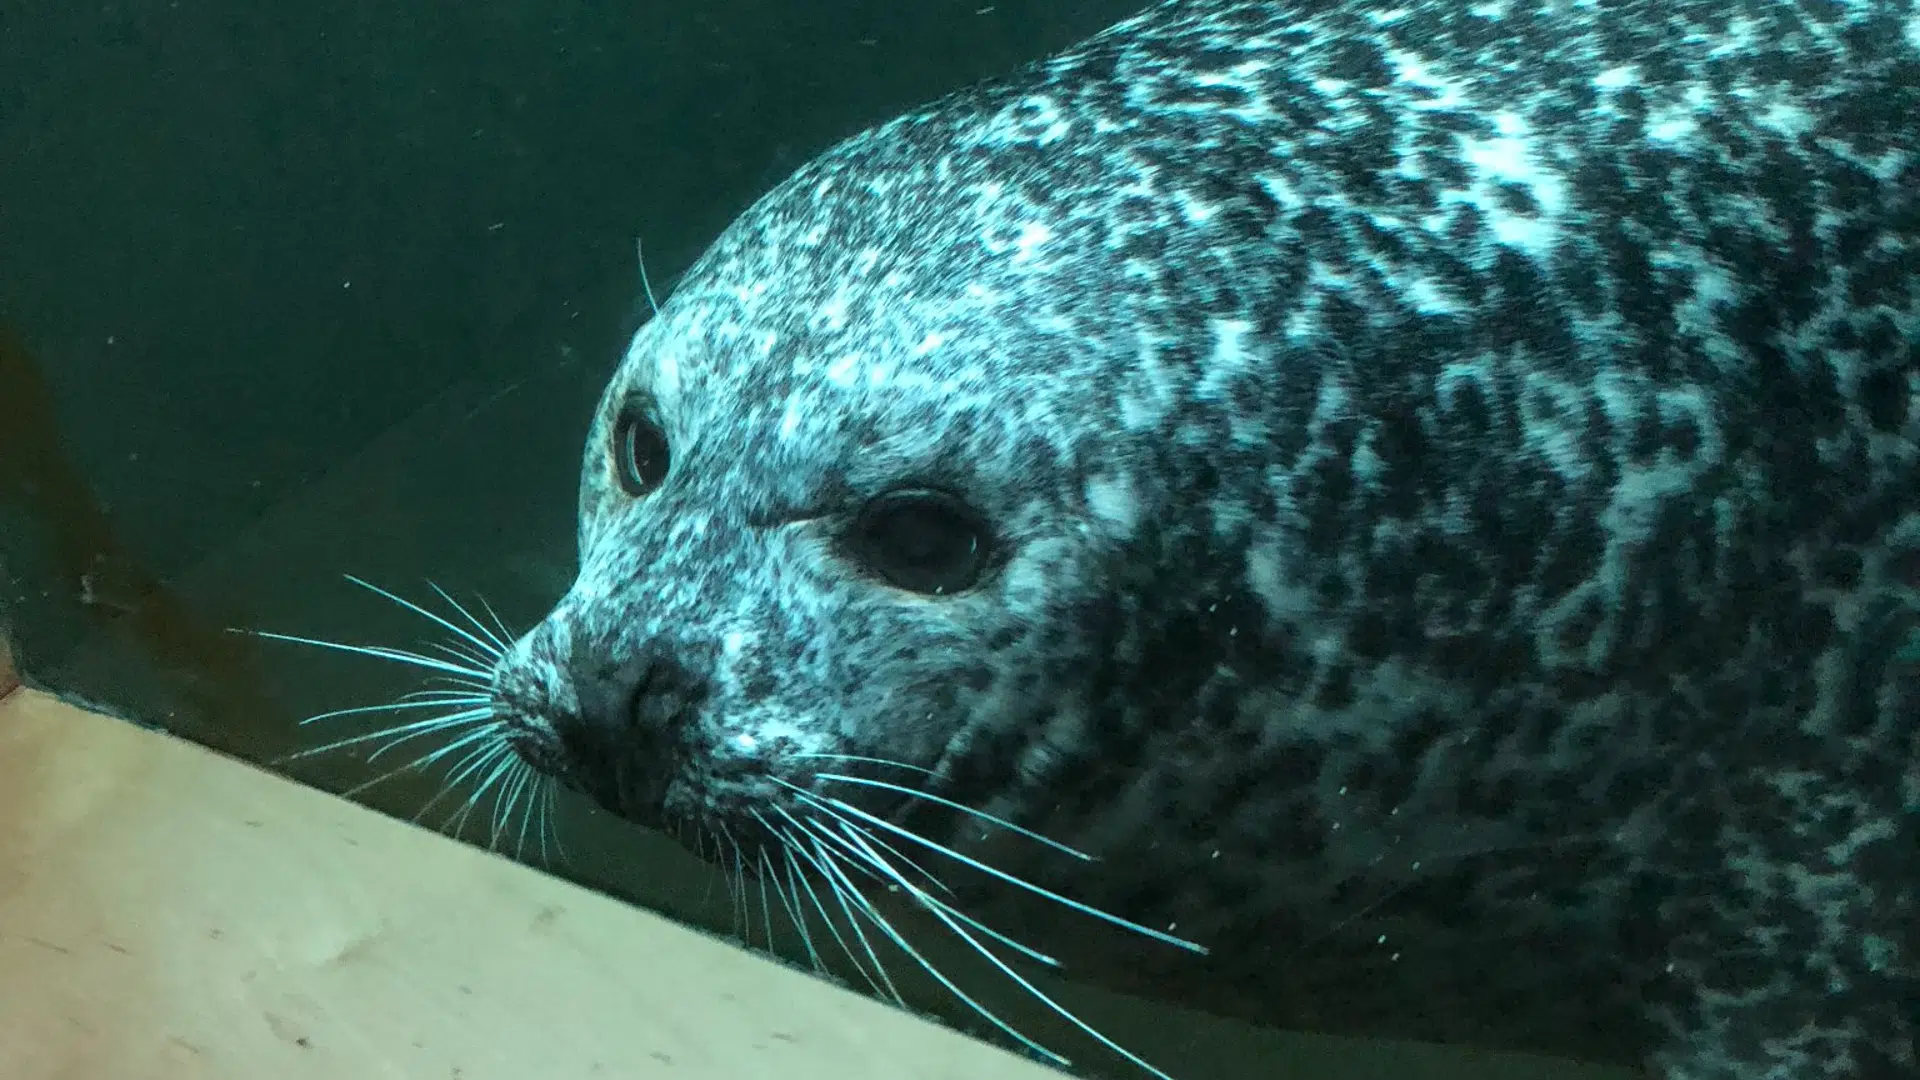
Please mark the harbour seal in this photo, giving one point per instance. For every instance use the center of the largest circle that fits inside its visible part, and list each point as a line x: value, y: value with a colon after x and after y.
x: 1422, y: 498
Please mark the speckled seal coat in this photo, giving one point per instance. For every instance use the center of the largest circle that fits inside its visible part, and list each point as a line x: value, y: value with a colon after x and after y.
x: 1428, y: 493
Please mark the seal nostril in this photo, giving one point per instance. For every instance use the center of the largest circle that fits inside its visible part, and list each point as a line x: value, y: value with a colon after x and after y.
x: 627, y: 739
x: 663, y: 697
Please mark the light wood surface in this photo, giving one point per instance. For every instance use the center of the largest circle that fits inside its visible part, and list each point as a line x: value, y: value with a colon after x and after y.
x: 169, y: 914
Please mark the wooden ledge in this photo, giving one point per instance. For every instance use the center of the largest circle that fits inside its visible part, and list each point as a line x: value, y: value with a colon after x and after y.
x: 170, y: 914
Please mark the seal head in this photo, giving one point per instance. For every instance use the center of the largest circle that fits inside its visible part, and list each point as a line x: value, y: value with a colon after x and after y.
x: 1396, y: 484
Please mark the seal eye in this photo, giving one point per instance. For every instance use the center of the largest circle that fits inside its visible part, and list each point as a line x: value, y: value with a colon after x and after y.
x: 922, y: 541
x: 640, y: 453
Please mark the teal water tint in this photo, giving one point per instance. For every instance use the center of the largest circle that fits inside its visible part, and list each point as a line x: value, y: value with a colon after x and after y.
x: 301, y: 290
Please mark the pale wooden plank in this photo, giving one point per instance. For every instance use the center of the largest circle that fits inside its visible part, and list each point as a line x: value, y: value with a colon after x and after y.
x: 169, y: 914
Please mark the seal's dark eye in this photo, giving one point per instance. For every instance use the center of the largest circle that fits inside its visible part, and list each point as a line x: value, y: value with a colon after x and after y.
x: 922, y: 541
x: 639, y: 452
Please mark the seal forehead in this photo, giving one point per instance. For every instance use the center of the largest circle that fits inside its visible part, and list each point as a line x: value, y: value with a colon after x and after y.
x: 988, y: 247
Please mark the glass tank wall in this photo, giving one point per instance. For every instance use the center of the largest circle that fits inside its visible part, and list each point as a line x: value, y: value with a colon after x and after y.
x: 291, y: 293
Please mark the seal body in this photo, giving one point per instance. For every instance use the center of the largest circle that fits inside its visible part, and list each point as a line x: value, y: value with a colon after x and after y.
x: 1426, y: 494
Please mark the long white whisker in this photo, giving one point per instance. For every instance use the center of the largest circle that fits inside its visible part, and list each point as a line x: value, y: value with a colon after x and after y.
x: 769, y: 871
x: 645, y: 285
x: 461, y: 683
x: 1038, y: 994
x: 494, y: 646
x: 420, y: 762
x: 929, y: 875
x: 474, y: 759
x: 368, y: 785
x: 985, y: 1013
x: 378, y: 652
x: 824, y: 756
x: 737, y: 889
x: 499, y: 780
x: 461, y: 652
x: 861, y: 849
x: 825, y: 861
x: 501, y: 634
x: 796, y: 910
x: 797, y: 876
x: 459, y: 719
x: 491, y: 749
x: 399, y: 734
x: 513, y: 778
x: 524, y: 806
x: 480, y: 733
x: 962, y: 807
x: 442, y: 621
x: 549, y: 832
x: 844, y: 807
x: 766, y: 906
x: 443, y: 699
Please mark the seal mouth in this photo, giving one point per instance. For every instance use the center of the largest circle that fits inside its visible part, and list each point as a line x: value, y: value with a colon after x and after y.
x: 629, y: 785
x: 542, y: 755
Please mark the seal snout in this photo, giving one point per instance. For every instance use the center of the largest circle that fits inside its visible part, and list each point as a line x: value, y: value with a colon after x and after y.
x: 625, y: 741
x: 611, y: 721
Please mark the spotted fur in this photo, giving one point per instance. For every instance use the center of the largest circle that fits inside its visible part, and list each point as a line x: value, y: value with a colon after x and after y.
x: 1455, y: 479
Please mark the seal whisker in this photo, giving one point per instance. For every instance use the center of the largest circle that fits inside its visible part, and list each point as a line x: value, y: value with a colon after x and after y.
x: 416, y: 763
x: 821, y: 755
x: 891, y: 849
x: 524, y: 804
x: 439, y: 620
x: 550, y: 850
x: 795, y: 911
x: 797, y: 906
x: 476, y: 717
x: 495, y: 786
x: 646, y: 287
x: 378, y: 652
x: 855, y: 906
x: 499, y: 782
x: 546, y: 832
x: 499, y: 633
x: 859, y: 843
x: 398, y: 734
x: 501, y: 779
x: 962, y: 807
x: 881, y: 923
x: 1087, y: 909
x: 946, y: 916
x: 495, y: 645
x: 699, y: 848
x: 482, y: 757
x: 737, y: 888
x: 766, y: 906
x: 456, y: 683
x: 512, y: 787
x: 465, y: 654
x: 530, y: 787
x: 794, y: 847
x: 481, y: 733
x: 376, y: 781
x: 421, y: 699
